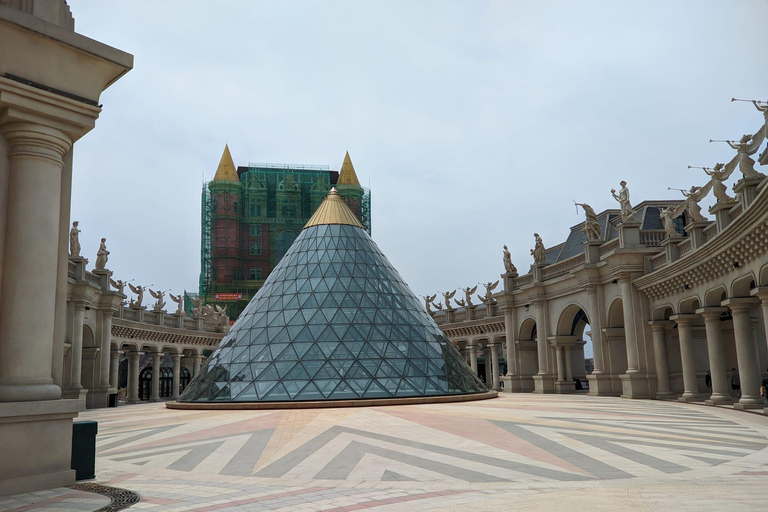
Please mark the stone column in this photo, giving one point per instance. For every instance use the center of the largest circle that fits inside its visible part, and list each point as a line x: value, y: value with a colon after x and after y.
x: 541, y: 337
x: 509, y: 332
x: 629, y: 324
x: 198, y: 359
x: 154, y: 395
x: 472, y: 358
x: 27, y: 315
x: 659, y: 330
x: 568, y: 369
x: 595, y: 324
x: 721, y: 393
x: 114, y: 369
x: 496, y: 378
x: 691, y: 393
x: 76, y: 353
x: 106, y: 347
x: 762, y: 294
x: 560, y: 376
x: 176, y: 375
x: 133, y: 377
x: 746, y: 353
x: 487, y: 357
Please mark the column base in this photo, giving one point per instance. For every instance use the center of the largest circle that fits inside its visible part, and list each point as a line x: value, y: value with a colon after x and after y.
x: 565, y: 387
x: 634, y: 385
x: 689, y: 398
x: 719, y: 400
x: 543, y: 384
x: 75, y: 394
x: 665, y: 395
x: 36, y: 443
x: 97, y: 398
x: 600, y: 384
x: 742, y: 406
x: 132, y: 401
x: 513, y: 384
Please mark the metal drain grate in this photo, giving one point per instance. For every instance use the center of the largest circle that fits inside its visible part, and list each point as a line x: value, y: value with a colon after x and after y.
x: 121, y: 498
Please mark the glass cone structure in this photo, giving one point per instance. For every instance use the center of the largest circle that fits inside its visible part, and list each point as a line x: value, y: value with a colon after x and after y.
x: 333, y: 321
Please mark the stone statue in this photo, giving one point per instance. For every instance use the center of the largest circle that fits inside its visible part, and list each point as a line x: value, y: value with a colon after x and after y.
x: 468, y: 295
x: 591, y: 226
x: 489, y: 287
x: 668, y: 216
x: 717, y: 177
x: 448, y: 296
x: 507, y: 258
x: 692, y: 198
x: 221, y: 311
x: 160, y: 296
x: 747, y: 146
x: 538, y: 252
x: 74, y: 240
x: 627, y: 213
x: 179, y: 300
x: 119, y: 284
x: 429, y: 301
x: 102, y: 255
x: 139, y: 295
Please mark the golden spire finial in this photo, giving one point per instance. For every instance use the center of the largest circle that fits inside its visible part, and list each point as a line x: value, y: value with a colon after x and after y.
x: 226, y: 170
x: 333, y: 210
x: 347, y: 175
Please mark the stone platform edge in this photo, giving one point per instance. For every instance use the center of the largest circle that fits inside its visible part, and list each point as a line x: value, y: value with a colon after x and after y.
x: 441, y: 399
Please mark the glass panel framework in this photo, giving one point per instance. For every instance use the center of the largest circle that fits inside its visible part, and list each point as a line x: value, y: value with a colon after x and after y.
x: 333, y: 321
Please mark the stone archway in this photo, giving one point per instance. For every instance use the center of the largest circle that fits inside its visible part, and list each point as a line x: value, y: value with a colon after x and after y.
x: 572, y: 325
x: 528, y: 354
x: 615, y: 346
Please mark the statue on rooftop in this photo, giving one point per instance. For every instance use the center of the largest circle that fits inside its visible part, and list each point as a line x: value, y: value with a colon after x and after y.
x: 507, y: 258
x: 179, y: 301
x: 538, y: 252
x: 74, y: 240
x: 591, y: 226
x: 119, y: 284
x: 489, y: 287
x: 160, y: 296
x: 429, y: 301
x: 468, y: 296
x: 668, y: 216
x: 448, y: 296
x: 102, y: 255
x: 627, y: 213
x: 747, y: 146
x: 717, y: 178
x: 692, y: 198
x: 139, y: 295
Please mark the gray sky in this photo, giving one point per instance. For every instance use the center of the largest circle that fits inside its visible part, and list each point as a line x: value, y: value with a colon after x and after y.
x: 474, y: 123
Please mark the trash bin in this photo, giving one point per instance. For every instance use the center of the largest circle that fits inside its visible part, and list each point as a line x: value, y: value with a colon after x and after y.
x: 113, y: 400
x: 84, y: 449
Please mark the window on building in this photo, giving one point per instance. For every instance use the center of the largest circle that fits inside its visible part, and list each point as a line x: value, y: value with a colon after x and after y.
x: 253, y: 230
x: 252, y: 210
x: 258, y: 230
x: 258, y: 210
x: 258, y: 273
x: 252, y: 249
x: 255, y: 249
x: 236, y: 206
x: 252, y: 274
x: 258, y: 249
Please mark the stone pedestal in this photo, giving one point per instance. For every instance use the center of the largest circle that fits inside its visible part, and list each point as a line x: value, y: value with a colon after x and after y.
x: 600, y: 384
x: 634, y: 385
x: 629, y: 234
x: 36, y: 444
x: 670, y: 247
x: 746, y: 188
x: 178, y: 319
x: 104, y: 276
x: 536, y: 269
x: 543, y: 384
x: 512, y: 384
x: 592, y: 251
x: 721, y: 212
x: 695, y: 231
x: 509, y: 279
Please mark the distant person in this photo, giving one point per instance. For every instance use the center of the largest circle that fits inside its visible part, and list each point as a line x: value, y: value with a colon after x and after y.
x: 736, y: 382
x: 708, y: 380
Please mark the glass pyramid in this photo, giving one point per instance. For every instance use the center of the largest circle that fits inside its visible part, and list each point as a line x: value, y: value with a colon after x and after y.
x: 333, y: 321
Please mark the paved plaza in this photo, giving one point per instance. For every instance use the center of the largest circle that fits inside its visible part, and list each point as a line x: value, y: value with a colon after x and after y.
x: 520, y: 452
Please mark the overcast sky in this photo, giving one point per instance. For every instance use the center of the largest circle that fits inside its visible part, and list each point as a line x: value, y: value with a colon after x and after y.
x: 474, y: 123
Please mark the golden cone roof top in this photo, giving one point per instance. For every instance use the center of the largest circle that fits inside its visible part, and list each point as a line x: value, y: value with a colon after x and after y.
x: 226, y: 170
x: 333, y: 210
x: 347, y: 176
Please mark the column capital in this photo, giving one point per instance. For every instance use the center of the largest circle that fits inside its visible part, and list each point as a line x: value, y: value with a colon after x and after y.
x: 176, y: 356
x: 684, y: 318
x: 761, y: 292
x: 135, y: 354
x: 711, y: 311
x: 35, y: 140
x: 660, y: 325
x: 741, y: 303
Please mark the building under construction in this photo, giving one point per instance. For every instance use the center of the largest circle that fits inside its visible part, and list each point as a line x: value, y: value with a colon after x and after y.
x: 251, y: 216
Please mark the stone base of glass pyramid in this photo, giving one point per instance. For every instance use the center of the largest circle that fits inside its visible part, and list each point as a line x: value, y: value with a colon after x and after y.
x: 334, y: 322
x: 371, y: 402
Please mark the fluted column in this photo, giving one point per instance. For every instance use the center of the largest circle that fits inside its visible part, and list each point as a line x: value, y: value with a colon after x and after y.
x: 154, y: 394
x: 629, y: 324
x: 746, y: 352
x: 76, y: 352
x: 595, y: 324
x: 659, y: 332
x: 495, y: 377
x: 106, y: 346
x: 691, y: 392
x: 27, y: 314
x: 473, y: 358
x: 720, y: 389
x: 133, y: 377
x: 114, y: 369
x: 176, y: 375
x: 559, y: 352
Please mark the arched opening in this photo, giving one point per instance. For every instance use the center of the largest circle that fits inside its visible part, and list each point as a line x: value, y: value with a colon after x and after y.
x: 615, y: 346
x: 184, y: 379
x: 145, y: 383
x: 573, y: 330
x: 742, y: 286
x: 528, y: 354
x: 715, y: 297
x: 88, y: 377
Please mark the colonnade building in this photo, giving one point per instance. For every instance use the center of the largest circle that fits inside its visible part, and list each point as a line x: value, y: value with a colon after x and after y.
x: 661, y: 310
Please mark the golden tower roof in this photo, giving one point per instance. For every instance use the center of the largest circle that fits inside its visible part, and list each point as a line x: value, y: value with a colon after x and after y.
x: 226, y: 170
x: 347, y: 175
x: 333, y: 210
